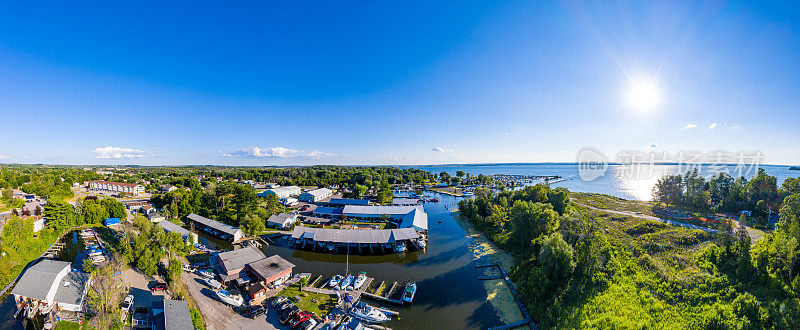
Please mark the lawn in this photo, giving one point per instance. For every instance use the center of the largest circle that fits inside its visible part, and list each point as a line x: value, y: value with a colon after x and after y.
x: 67, y: 325
x: 323, y: 305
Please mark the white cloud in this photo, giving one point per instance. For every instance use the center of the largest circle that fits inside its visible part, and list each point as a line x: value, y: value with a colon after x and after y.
x: 689, y: 126
x: 653, y: 146
x: 3, y: 156
x: 118, y: 153
x: 735, y: 126
x: 440, y: 149
x: 712, y: 126
x: 276, y: 152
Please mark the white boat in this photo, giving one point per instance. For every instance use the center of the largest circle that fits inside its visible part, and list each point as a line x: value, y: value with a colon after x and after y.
x: 411, y: 290
x: 362, y: 277
x: 367, y: 313
x: 346, y: 282
x: 229, y: 298
x: 205, y: 273
x: 214, y: 284
x: 335, y: 280
x: 468, y: 194
x: 98, y: 259
x: 421, y: 243
x: 46, y: 308
x: 95, y: 253
x: 400, y: 247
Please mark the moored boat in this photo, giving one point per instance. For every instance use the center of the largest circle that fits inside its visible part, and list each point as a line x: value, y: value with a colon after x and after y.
x: 214, y: 284
x: 205, y: 273
x: 346, y: 282
x: 420, y: 243
x: 335, y: 280
x: 330, y: 246
x: 400, y: 247
x: 410, y: 291
x: 367, y: 313
x: 362, y: 277
x: 229, y: 298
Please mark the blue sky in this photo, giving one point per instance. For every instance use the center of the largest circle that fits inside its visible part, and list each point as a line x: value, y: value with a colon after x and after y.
x: 258, y: 83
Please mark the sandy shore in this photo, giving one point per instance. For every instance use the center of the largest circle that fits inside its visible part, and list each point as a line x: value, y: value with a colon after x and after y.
x: 483, y: 252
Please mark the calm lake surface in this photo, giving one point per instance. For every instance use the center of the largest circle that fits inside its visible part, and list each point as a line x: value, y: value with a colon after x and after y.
x: 619, y: 180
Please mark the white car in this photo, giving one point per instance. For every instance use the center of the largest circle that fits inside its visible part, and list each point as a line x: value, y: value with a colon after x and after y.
x: 127, y: 303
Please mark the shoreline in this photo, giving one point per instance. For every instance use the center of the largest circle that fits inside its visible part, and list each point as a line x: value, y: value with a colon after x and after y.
x: 484, y: 251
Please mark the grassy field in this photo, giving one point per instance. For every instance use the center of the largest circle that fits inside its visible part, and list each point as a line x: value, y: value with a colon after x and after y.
x: 320, y: 304
x: 67, y: 325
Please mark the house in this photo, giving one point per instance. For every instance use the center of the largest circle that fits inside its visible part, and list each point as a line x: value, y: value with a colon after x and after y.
x: 272, y: 271
x: 282, y: 221
x: 117, y: 187
x: 216, y: 228
x: 147, y: 209
x: 155, y: 217
x: 137, y: 205
x: 281, y: 192
x: 52, y: 282
x: 230, y: 264
x: 315, y: 195
x: 189, y: 237
x: 168, y: 189
x: 172, y: 315
x: 257, y: 293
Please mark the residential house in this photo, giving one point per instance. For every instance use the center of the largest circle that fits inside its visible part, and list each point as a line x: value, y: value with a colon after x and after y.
x: 282, y: 221
x: 230, y: 264
x: 272, y: 271
x: 52, y: 282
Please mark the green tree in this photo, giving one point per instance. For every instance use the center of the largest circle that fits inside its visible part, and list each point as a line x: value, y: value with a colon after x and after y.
x: 252, y: 225
x: 105, y: 293
x: 529, y: 221
x: 556, y: 257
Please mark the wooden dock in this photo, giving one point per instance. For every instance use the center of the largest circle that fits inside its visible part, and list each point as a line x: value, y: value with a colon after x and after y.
x: 380, y: 298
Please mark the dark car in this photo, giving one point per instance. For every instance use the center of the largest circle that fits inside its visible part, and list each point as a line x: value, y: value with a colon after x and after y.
x: 159, y: 287
x: 277, y: 301
x: 299, y: 318
x: 308, y: 324
x: 256, y: 310
x: 288, y: 314
x: 284, y: 305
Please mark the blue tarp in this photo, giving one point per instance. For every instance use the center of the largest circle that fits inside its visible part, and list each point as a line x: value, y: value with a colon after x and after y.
x: 111, y: 221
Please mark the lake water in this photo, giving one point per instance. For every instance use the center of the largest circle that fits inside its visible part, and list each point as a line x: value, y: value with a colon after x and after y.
x: 619, y: 180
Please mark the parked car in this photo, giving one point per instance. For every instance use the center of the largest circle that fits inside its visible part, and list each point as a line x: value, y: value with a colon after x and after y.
x: 127, y: 303
x: 284, y: 305
x: 159, y: 287
x: 256, y: 311
x: 299, y: 318
x: 289, y: 313
x: 308, y: 324
x: 277, y: 301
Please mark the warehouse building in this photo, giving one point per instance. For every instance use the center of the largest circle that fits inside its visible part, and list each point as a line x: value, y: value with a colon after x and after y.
x: 282, y: 192
x: 315, y: 195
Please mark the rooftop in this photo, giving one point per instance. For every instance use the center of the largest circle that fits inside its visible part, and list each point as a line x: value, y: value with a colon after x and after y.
x: 280, y: 218
x: 225, y: 228
x: 173, y: 228
x: 70, y: 289
x: 319, y: 192
x: 354, y: 235
x: 177, y: 315
x: 348, y: 201
x: 37, y: 281
x: 237, y: 259
x: 116, y: 183
x: 377, y: 209
x: 271, y: 266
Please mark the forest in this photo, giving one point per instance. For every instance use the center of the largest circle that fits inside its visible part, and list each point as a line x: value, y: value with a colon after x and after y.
x: 580, y: 267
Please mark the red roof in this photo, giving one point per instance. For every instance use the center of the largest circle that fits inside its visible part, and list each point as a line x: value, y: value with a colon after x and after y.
x: 116, y: 183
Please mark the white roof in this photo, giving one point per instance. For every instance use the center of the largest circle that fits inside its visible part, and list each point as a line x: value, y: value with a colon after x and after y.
x: 416, y: 219
x: 356, y: 210
x: 319, y: 192
x: 362, y: 236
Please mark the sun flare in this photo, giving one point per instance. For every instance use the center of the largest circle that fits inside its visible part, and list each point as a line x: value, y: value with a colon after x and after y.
x: 643, y: 96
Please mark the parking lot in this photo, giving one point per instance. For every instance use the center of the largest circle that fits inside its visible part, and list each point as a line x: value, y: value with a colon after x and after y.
x: 221, y: 316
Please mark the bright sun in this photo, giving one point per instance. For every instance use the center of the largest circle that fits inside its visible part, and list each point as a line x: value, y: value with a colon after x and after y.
x: 643, y: 96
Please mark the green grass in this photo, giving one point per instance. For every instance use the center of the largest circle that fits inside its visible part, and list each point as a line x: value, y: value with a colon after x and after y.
x: 67, y: 325
x: 323, y: 306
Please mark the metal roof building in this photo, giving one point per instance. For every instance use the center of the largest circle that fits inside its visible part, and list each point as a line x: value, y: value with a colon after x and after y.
x: 177, y: 315
x: 188, y: 236
x: 405, y: 201
x: 315, y: 195
x: 229, y: 232
x: 282, y: 192
x: 354, y: 236
x: 52, y: 281
x: 347, y: 201
x: 416, y: 219
x: 229, y: 264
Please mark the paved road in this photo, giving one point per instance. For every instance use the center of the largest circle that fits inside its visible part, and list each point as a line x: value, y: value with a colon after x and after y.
x: 649, y: 217
x: 221, y: 316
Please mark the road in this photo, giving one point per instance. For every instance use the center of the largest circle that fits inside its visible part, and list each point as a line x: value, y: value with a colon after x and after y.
x: 221, y: 316
x: 648, y: 217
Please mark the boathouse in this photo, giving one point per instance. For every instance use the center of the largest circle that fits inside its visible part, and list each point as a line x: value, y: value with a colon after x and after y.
x: 188, y: 236
x: 52, y: 282
x: 216, y: 228
x: 416, y: 219
x: 230, y: 264
x: 327, y: 212
x: 376, y: 212
x: 358, y: 238
x: 341, y: 202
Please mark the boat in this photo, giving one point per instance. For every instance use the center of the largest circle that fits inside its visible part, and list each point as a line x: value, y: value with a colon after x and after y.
x: 95, y: 253
x: 229, y: 298
x: 205, y: 273
x: 367, y: 313
x: 214, y: 284
x: 33, y: 308
x: 298, y: 241
x: 411, y: 290
x: 330, y: 246
x: 387, y: 245
x: 362, y: 277
x: 399, y: 247
x: 321, y: 244
x: 335, y: 280
x: 420, y: 243
x: 98, y: 259
x: 346, y: 282
x: 46, y: 308
x: 435, y: 200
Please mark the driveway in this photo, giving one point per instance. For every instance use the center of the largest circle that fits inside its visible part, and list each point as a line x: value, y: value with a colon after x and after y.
x: 221, y: 316
x: 139, y: 286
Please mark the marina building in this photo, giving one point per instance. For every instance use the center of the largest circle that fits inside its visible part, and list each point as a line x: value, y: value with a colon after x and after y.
x: 315, y: 195
x: 362, y: 240
x: 117, y: 187
x: 216, y: 228
x: 341, y: 202
x: 327, y: 212
x: 272, y: 271
x: 54, y: 283
x: 229, y: 265
x: 376, y: 212
x: 405, y: 201
x: 282, y: 221
x: 282, y: 192
x: 188, y: 236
